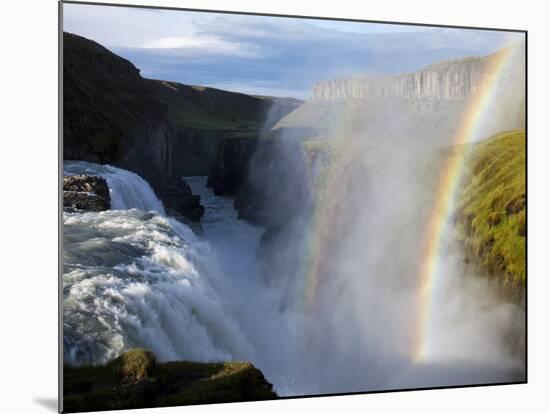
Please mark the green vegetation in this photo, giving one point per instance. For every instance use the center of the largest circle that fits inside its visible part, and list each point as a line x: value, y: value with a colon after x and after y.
x: 104, y: 100
x: 136, y: 365
x: 136, y: 380
x: 208, y: 108
x: 491, y: 206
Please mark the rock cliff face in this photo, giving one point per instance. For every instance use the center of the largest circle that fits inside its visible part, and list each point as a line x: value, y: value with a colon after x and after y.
x: 231, y: 165
x: 154, y: 128
x: 444, y: 81
x: 109, y: 115
x: 238, y: 158
x: 274, y: 188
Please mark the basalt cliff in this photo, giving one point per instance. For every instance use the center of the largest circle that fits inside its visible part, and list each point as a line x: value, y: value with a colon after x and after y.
x: 447, y: 81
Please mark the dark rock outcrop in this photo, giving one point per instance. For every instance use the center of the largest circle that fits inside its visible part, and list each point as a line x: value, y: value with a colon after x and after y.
x: 194, y: 225
x: 85, y: 193
x: 241, y: 164
x: 176, y: 196
x: 230, y: 167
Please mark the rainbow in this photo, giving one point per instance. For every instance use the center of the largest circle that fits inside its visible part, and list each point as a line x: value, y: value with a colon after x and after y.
x: 325, y: 214
x: 481, y: 102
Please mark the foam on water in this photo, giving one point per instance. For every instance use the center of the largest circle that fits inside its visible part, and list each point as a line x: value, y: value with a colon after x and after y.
x: 135, y: 278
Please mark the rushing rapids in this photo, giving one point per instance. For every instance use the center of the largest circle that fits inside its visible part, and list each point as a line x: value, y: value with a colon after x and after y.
x: 134, y: 277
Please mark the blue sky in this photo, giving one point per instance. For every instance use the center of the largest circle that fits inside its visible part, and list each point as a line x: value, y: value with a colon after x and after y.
x: 268, y: 55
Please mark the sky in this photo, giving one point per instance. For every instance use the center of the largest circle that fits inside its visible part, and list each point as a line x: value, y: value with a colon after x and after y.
x: 266, y: 55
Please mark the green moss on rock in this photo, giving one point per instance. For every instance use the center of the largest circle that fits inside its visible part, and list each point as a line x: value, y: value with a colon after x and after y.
x: 136, y: 365
x: 136, y: 380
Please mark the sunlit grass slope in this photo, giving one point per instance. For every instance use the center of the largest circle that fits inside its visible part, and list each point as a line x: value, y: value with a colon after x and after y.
x: 491, y: 215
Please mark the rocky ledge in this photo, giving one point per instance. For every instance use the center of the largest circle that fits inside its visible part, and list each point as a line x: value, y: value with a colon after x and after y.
x: 85, y: 193
x: 136, y: 380
x: 178, y: 199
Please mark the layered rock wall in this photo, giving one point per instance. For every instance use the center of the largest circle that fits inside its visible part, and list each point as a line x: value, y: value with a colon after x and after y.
x: 453, y: 80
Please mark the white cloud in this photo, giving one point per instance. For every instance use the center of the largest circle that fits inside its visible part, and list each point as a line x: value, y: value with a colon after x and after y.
x: 204, y: 45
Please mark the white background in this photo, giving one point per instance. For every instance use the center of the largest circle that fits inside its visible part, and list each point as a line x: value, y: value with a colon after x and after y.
x: 28, y: 192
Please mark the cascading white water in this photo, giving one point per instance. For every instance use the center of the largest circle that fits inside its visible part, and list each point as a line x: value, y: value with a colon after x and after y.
x: 127, y: 190
x: 134, y: 277
x: 139, y: 279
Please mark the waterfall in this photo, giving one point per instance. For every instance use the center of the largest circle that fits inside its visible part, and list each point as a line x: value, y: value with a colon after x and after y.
x: 133, y: 277
x: 127, y: 190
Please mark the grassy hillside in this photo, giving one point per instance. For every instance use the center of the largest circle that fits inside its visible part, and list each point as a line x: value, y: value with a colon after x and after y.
x: 104, y: 100
x: 491, y: 215
x: 136, y: 380
x: 208, y: 108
